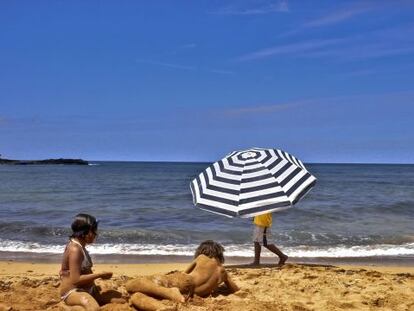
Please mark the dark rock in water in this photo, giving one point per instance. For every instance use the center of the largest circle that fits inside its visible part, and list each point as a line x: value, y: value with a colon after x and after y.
x: 42, y: 162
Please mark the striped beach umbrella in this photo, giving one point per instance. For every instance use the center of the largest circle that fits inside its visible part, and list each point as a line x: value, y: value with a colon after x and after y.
x: 251, y: 182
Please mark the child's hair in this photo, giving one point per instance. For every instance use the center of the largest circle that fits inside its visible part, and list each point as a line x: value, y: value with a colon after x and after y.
x: 82, y: 224
x: 210, y: 249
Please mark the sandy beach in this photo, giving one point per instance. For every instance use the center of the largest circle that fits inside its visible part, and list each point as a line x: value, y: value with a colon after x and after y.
x: 296, y: 287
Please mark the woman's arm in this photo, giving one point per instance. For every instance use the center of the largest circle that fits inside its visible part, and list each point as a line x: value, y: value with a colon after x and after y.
x: 75, y: 262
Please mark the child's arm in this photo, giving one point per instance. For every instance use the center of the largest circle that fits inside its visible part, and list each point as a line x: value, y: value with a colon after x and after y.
x: 190, y: 267
x: 230, y: 283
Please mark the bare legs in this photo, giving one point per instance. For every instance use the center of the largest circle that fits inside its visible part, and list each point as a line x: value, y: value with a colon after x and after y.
x: 148, y: 287
x: 278, y: 252
x: 82, y: 299
x: 257, y: 251
x: 143, y: 288
x: 271, y: 247
x: 146, y: 303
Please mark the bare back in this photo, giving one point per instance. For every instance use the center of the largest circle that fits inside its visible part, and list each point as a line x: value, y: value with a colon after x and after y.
x: 207, y: 274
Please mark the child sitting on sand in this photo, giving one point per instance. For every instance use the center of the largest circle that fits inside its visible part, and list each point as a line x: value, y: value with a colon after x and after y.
x: 77, y: 286
x: 261, y: 236
x: 202, y: 277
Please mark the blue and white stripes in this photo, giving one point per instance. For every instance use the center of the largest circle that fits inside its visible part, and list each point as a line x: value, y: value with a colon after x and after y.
x: 251, y: 182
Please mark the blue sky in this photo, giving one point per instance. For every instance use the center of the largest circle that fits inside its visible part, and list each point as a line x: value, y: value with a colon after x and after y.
x: 328, y: 81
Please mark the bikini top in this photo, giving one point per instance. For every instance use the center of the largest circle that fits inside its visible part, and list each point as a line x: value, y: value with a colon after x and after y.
x: 86, y: 264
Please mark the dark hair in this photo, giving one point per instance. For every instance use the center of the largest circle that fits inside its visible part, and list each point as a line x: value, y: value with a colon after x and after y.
x: 210, y: 249
x: 82, y: 224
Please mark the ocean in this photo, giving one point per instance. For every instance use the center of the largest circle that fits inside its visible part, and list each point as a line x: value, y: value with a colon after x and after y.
x: 145, y: 209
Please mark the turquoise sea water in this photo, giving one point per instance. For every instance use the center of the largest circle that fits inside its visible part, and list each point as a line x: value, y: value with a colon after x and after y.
x: 146, y: 209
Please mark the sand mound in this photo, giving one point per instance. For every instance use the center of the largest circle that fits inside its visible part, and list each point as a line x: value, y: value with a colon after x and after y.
x: 291, y: 288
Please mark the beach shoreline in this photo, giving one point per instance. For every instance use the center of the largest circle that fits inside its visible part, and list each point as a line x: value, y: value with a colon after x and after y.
x: 393, y: 261
x: 11, y: 268
x: 295, y: 286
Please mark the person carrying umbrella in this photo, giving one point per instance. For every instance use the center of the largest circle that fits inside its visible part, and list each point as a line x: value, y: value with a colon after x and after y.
x: 261, y: 236
x: 253, y: 183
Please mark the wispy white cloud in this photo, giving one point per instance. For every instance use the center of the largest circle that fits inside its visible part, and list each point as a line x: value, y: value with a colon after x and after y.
x: 261, y: 109
x: 337, y: 17
x: 362, y: 52
x: 404, y: 98
x: 162, y: 64
x: 220, y: 71
x: 184, y: 67
x: 379, y: 43
x: 289, y: 48
x: 358, y: 73
x: 388, y: 98
x: 408, y: 68
x: 180, y: 49
x: 280, y: 6
x: 332, y: 18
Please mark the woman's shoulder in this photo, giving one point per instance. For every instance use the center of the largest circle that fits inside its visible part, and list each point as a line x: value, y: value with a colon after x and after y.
x: 74, y: 249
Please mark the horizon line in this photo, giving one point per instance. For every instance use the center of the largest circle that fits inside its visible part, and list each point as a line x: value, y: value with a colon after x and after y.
x: 205, y: 161
x: 166, y: 161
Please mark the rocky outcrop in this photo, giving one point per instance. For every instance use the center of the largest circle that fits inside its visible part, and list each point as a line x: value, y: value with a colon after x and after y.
x: 42, y: 162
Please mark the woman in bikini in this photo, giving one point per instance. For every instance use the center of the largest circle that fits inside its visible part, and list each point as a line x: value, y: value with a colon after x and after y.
x: 202, y: 277
x: 77, y: 286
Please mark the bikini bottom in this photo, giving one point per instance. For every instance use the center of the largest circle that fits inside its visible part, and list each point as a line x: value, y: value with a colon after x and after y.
x: 89, y: 290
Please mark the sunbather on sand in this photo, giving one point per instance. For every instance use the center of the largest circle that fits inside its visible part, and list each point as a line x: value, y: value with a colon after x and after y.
x: 77, y: 286
x: 202, y: 277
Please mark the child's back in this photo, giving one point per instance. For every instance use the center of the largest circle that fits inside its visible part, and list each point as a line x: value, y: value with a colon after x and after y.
x: 207, y: 274
x: 202, y: 277
x: 207, y: 269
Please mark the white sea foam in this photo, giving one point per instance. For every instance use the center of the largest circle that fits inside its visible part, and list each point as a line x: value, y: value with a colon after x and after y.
x: 231, y: 250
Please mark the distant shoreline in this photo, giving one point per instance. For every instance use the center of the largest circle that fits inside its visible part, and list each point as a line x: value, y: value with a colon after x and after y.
x: 43, y: 162
x: 391, y: 261
x: 53, y: 161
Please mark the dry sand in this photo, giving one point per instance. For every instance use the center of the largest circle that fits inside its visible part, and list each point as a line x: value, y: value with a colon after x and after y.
x: 295, y: 287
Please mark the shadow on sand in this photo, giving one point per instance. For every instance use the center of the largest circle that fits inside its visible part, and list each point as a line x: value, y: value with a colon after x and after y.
x: 276, y: 266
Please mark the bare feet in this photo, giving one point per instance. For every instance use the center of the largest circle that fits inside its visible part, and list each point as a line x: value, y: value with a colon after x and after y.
x: 146, y: 303
x: 282, y: 260
x: 176, y: 295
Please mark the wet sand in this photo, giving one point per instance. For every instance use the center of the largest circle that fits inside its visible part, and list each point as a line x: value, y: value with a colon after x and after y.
x: 296, y: 287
